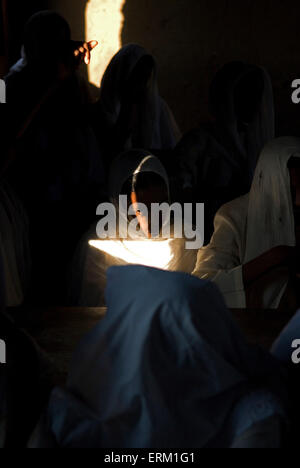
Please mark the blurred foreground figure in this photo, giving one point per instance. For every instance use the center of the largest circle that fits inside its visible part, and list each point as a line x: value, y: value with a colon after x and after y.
x: 130, y: 111
x: 142, y: 178
x: 167, y: 367
x: 254, y: 253
x: 216, y: 162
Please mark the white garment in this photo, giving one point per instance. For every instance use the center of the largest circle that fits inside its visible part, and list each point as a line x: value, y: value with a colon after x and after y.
x: 166, y: 367
x: 260, y: 131
x: 252, y: 225
x: 95, y: 257
x: 157, y: 123
x: 14, y: 246
x: 170, y: 255
x: 216, y: 155
x: 131, y: 163
x: 20, y: 64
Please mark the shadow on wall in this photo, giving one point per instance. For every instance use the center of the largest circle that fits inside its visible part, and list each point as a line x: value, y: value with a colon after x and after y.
x: 191, y: 40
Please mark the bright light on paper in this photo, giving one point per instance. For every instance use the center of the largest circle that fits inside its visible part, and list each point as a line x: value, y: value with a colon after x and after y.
x: 152, y: 253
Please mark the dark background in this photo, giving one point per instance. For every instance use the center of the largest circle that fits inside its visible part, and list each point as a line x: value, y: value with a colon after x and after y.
x: 191, y: 39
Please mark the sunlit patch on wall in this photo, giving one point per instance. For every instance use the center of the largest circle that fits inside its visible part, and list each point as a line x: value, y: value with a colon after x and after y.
x: 104, y: 23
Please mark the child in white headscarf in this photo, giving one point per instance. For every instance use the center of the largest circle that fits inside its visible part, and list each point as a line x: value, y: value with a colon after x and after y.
x: 130, y: 107
x: 250, y: 253
x: 133, y: 172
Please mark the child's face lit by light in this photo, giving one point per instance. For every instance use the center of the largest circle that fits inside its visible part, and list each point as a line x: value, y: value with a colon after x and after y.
x: 148, y: 196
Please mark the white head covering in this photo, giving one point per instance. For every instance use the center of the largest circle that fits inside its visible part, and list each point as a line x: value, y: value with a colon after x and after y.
x: 270, y: 220
x: 260, y: 131
x: 158, y: 126
x: 91, y: 264
x: 126, y: 166
x: 131, y: 163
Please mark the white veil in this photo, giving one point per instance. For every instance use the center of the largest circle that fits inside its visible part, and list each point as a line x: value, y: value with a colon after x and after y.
x: 158, y: 124
x: 260, y: 131
x: 270, y: 204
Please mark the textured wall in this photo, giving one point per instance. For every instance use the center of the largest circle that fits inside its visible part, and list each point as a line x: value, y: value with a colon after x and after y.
x: 191, y: 39
x: 101, y: 20
x: 104, y: 22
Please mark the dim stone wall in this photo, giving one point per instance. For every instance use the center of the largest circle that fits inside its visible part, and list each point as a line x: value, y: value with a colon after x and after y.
x: 191, y: 39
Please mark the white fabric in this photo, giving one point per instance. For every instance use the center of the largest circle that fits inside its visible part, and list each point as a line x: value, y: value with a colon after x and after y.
x: 88, y: 279
x: 128, y: 164
x: 270, y: 203
x: 20, y: 64
x: 156, y: 120
x: 166, y: 367
x: 260, y: 131
x: 14, y: 246
x: 252, y: 225
x: 170, y: 255
x: 268, y: 434
x: 226, y: 143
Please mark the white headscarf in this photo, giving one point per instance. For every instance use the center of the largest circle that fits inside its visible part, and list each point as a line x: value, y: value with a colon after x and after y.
x: 124, y: 168
x: 129, y: 164
x: 260, y: 131
x: 157, y: 122
x: 270, y: 221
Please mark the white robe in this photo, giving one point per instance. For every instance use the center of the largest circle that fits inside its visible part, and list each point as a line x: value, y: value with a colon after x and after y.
x: 156, y: 121
x: 251, y: 226
x: 166, y: 367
